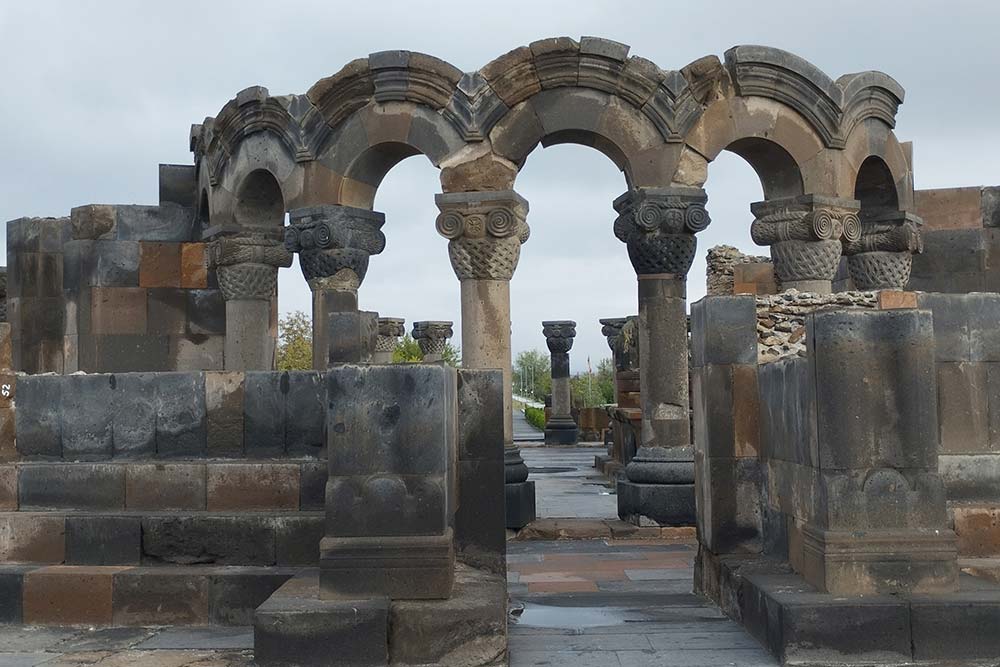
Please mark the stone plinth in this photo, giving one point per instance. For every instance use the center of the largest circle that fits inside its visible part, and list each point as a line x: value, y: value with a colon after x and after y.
x: 390, y: 494
x: 351, y: 337
x: 560, y: 427
x: 432, y: 337
x: 389, y: 331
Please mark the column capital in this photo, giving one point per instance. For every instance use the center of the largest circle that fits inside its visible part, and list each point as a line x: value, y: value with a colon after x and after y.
x: 611, y: 328
x: 659, y: 225
x: 334, y: 244
x: 432, y: 336
x: 485, y: 231
x: 883, y: 255
x: 806, y: 234
x: 559, y: 335
x: 247, y: 265
x: 389, y: 331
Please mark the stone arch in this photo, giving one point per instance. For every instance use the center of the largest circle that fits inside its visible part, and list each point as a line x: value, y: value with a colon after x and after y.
x: 777, y: 170
x: 873, y: 138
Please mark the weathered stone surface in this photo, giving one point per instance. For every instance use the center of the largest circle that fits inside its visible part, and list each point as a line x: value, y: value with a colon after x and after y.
x: 87, y: 411
x: 38, y: 417
x: 224, y: 407
x: 470, y: 628
x: 102, y: 540
x: 519, y: 504
x: 234, y: 596
x: 304, y: 630
x: 165, y: 486
x: 134, y: 415
x: 32, y: 538
x: 168, y: 222
x: 252, y: 486
x: 62, y: 595
x: 222, y: 540
x: 165, y: 597
x: 297, y: 539
x: 180, y: 415
x: 76, y: 486
x: 264, y: 416
x: 305, y: 412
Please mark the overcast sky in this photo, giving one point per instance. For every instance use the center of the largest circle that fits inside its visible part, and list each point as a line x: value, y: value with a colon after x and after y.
x: 99, y: 93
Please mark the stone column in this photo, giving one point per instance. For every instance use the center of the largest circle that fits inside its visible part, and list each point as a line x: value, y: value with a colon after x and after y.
x: 806, y: 235
x: 247, y: 268
x: 389, y: 331
x: 485, y: 231
x: 611, y: 328
x: 882, y: 257
x: 560, y: 428
x: 658, y: 225
x: 334, y: 244
x: 432, y: 336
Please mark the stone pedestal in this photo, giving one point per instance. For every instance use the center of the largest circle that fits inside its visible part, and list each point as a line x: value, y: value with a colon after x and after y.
x: 333, y: 244
x: 659, y: 226
x: 806, y: 235
x: 351, y: 337
x: 390, y: 501
x: 485, y: 231
x: 560, y: 427
x: 432, y: 337
x: 247, y: 267
x: 389, y: 331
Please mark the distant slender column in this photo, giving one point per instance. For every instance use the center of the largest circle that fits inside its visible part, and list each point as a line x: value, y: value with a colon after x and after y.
x: 333, y: 244
x: 432, y: 336
x: 247, y: 267
x: 611, y: 328
x: 560, y: 428
x: 389, y: 331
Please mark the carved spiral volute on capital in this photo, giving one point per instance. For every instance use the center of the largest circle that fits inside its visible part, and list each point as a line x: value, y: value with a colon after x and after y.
x: 334, y: 244
x: 559, y: 335
x: 432, y: 336
x: 883, y: 255
x: 484, y: 242
x: 659, y: 229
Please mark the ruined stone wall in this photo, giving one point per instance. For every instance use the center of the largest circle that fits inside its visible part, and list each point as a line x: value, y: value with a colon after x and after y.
x: 961, y: 237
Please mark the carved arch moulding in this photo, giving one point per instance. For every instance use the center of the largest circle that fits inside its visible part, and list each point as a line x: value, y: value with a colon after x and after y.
x: 335, y: 143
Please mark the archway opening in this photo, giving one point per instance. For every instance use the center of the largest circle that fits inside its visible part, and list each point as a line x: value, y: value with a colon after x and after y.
x: 875, y: 187
x: 204, y: 217
x: 259, y: 202
x: 572, y: 268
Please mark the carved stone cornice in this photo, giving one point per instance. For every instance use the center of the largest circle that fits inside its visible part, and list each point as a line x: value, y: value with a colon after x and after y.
x: 659, y: 225
x: 247, y: 266
x: 485, y: 231
x: 334, y: 244
x: 559, y: 335
x: 389, y: 331
x: 806, y: 234
x: 432, y: 336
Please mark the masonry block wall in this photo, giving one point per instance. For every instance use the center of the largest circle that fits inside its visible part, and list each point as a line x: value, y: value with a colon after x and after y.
x: 961, y: 235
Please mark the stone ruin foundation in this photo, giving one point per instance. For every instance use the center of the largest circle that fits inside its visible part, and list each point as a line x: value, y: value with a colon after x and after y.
x: 828, y: 419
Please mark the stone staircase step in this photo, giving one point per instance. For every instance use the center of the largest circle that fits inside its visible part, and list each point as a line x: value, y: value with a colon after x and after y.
x: 282, y: 538
x: 214, y: 485
x: 66, y: 595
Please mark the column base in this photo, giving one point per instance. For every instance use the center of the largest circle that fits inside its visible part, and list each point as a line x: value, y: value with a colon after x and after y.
x: 520, y: 504
x: 656, y: 504
x: 417, y: 567
x: 561, y: 431
x: 814, y: 286
x: 880, y: 562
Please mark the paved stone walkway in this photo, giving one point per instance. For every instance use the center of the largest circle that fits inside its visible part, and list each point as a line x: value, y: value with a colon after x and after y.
x: 566, y: 483
x: 524, y: 431
x: 585, y: 603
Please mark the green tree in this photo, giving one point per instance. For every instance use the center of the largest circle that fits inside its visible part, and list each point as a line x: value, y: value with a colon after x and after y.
x: 294, y: 342
x: 407, y: 350
x: 594, y: 388
x: 532, y: 375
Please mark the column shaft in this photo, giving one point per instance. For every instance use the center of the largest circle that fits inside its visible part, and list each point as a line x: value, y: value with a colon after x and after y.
x: 249, y: 343
x: 663, y: 349
x: 486, y: 335
x: 325, y: 302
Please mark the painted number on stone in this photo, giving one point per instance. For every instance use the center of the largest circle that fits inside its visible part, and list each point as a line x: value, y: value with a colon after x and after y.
x: 5, y: 390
